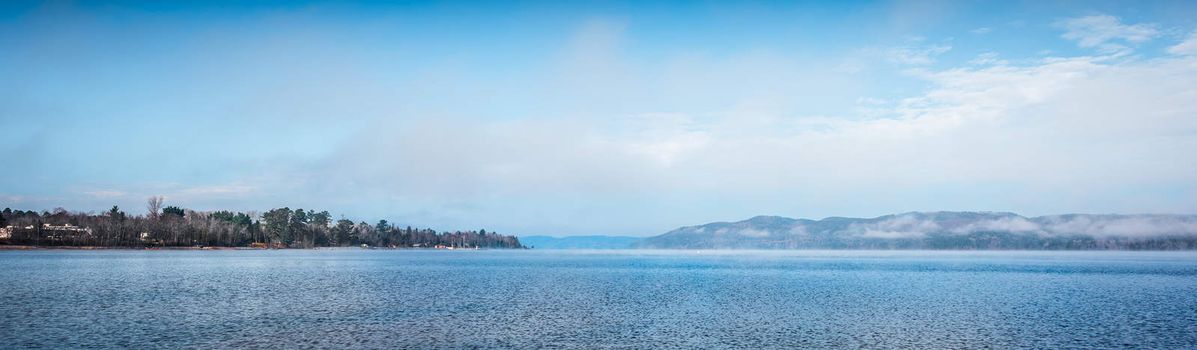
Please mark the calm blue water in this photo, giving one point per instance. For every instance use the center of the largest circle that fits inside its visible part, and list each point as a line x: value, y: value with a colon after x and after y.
x: 609, y: 299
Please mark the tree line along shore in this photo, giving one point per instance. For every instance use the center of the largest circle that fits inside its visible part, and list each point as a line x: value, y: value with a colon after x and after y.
x: 175, y: 227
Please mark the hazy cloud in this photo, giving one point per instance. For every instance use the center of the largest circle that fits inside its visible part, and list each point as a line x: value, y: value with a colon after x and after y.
x: 901, y: 226
x: 1121, y: 226
x: 1005, y: 224
x: 1078, y: 123
x: 915, y: 53
x: 1186, y: 47
x: 917, y: 225
x: 988, y: 58
x: 590, y: 134
x: 105, y: 194
x: 746, y: 232
x: 1103, y: 32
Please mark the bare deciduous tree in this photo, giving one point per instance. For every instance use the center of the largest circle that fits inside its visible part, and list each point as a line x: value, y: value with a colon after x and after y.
x: 170, y: 226
x: 153, y: 206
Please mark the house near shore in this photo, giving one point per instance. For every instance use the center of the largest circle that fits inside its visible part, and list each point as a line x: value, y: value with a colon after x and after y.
x: 66, y: 227
x: 47, y: 232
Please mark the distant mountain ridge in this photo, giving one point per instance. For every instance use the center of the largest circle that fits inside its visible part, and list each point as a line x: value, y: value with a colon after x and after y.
x: 940, y: 230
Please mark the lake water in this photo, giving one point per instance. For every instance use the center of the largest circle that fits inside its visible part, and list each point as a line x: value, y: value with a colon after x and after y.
x: 596, y: 299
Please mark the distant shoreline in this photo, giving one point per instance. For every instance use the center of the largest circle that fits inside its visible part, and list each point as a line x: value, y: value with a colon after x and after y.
x: 37, y: 247
x: 30, y: 247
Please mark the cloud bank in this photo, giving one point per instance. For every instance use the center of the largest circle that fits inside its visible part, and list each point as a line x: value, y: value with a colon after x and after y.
x: 594, y: 135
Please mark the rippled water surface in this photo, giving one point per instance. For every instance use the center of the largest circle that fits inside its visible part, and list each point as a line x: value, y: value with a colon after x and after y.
x: 611, y: 299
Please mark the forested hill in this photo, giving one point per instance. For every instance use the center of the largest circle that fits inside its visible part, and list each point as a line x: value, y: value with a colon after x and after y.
x: 178, y: 227
x: 940, y: 230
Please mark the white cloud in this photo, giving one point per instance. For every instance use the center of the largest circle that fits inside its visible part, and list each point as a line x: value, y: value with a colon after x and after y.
x: 911, y: 51
x: 105, y: 194
x: 987, y: 58
x: 915, y: 55
x: 982, y: 31
x: 901, y: 226
x: 598, y: 136
x: 917, y: 225
x: 214, y: 190
x: 1085, y: 129
x: 1186, y: 47
x: 1005, y: 224
x: 747, y: 232
x: 1103, y: 31
x: 219, y: 196
x: 1124, y: 226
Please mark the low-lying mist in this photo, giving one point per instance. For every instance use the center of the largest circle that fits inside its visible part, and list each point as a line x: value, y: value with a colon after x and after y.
x: 941, y: 230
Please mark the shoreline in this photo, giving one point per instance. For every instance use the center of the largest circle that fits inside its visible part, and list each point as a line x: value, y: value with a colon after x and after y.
x: 33, y: 247
x: 38, y: 247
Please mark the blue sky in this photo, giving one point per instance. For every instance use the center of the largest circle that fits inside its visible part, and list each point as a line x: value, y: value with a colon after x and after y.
x: 629, y: 118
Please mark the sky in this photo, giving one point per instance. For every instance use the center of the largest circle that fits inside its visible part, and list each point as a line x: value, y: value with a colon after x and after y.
x: 618, y: 118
